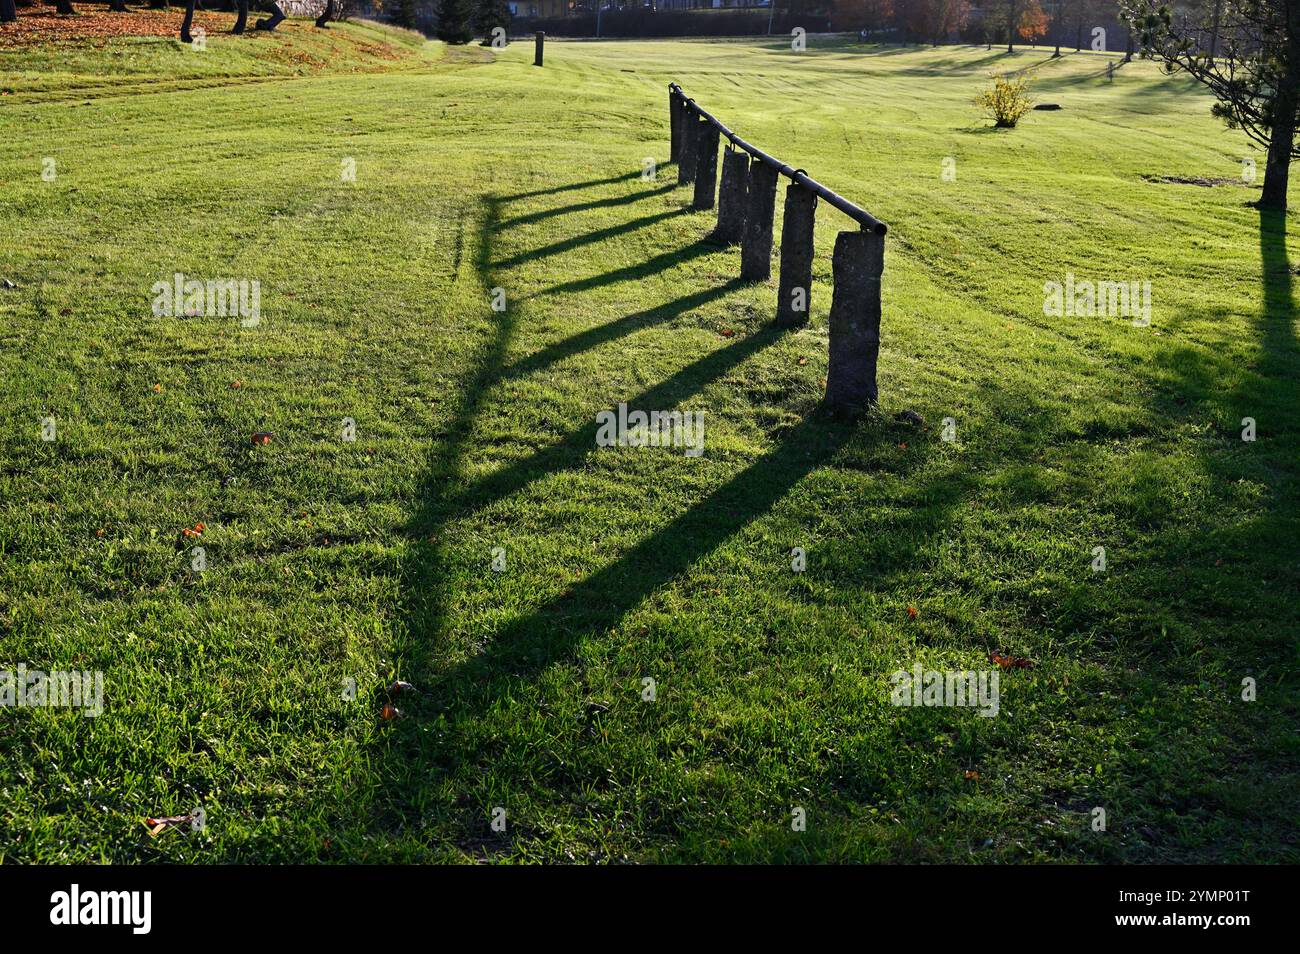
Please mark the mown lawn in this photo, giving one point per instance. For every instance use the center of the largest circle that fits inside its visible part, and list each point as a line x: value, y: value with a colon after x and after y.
x: 371, y: 560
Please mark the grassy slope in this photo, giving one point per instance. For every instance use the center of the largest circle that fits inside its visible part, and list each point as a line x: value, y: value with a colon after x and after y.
x: 371, y: 560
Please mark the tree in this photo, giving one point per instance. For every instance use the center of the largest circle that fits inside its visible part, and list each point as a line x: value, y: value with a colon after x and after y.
x: 8, y: 12
x: 404, y: 14
x: 326, y: 15
x: 1254, y: 71
x: 934, y: 20
x: 1033, y: 22
x: 489, y: 14
x: 453, y: 21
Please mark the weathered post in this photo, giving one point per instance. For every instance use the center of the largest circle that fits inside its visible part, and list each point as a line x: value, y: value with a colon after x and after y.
x: 690, y: 128
x: 706, y: 164
x: 675, y: 124
x: 539, y: 47
x: 795, y: 287
x: 858, y: 265
x: 731, y: 197
x: 756, y: 245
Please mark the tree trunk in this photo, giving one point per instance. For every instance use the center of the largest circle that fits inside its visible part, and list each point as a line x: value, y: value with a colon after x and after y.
x: 118, y: 6
x: 1214, y: 30
x: 64, y: 6
x: 8, y: 12
x: 326, y: 15
x: 1277, y: 167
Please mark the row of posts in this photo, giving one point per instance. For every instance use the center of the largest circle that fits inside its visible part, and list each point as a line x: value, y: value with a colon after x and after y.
x: 746, y: 203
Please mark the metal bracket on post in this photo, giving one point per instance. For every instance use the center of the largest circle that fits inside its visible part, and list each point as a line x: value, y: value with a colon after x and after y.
x: 858, y: 265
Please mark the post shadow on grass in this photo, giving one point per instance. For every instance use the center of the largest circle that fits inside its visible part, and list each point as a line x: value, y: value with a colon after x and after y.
x: 522, y: 649
x: 589, y: 238
x: 606, y: 203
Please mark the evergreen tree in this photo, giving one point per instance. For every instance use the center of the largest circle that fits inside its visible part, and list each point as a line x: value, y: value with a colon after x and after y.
x: 454, y: 21
x: 489, y: 14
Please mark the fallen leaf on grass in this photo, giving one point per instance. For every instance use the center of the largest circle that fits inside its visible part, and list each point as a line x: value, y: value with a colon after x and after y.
x: 1010, y: 662
x: 390, y: 713
x: 157, y: 826
x: 262, y: 437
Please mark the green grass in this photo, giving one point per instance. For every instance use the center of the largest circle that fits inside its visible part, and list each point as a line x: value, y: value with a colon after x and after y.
x: 372, y: 560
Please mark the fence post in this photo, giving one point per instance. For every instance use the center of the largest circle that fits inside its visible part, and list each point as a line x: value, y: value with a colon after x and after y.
x: 731, y: 197
x: 858, y: 265
x: 706, y: 168
x: 538, y: 47
x: 675, y: 124
x: 795, y: 288
x: 690, y: 126
x: 756, y: 247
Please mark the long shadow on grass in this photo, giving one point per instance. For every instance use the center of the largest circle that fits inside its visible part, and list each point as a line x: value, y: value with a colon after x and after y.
x: 459, y: 695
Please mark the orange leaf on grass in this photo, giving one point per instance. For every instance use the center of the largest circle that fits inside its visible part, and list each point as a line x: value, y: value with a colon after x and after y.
x: 1008, y: 661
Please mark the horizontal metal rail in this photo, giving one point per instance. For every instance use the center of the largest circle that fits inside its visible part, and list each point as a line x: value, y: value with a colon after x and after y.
x: 860, y: 215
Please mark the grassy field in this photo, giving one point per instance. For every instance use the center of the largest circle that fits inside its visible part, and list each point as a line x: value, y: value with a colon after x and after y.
x: 333, y: 560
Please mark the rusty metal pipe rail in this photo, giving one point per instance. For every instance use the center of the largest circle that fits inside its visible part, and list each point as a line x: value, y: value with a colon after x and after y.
x: 860, y: 215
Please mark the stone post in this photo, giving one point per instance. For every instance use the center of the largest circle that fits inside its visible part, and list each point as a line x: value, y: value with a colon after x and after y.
x: 858, y: 265
x: 690, y: 128
x: 756, y: 247
x: 706, y: 165
x: 795, y: 291
x: 732, y: 196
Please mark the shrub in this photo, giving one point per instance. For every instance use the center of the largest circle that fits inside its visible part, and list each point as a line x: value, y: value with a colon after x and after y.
x: 1007, y: 101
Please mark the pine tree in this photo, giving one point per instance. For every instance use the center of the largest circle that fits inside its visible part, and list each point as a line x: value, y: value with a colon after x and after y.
x: 489, y: 14
x: 454, y: 21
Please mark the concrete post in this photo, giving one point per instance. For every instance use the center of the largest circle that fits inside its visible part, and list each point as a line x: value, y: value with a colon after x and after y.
x: 539, y: 47
x: 756, y: 247
x: 732, y: 196
x: 858, y: 265
x: 795, y: 291
x: 706, y: 165
x: 690, y: 128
